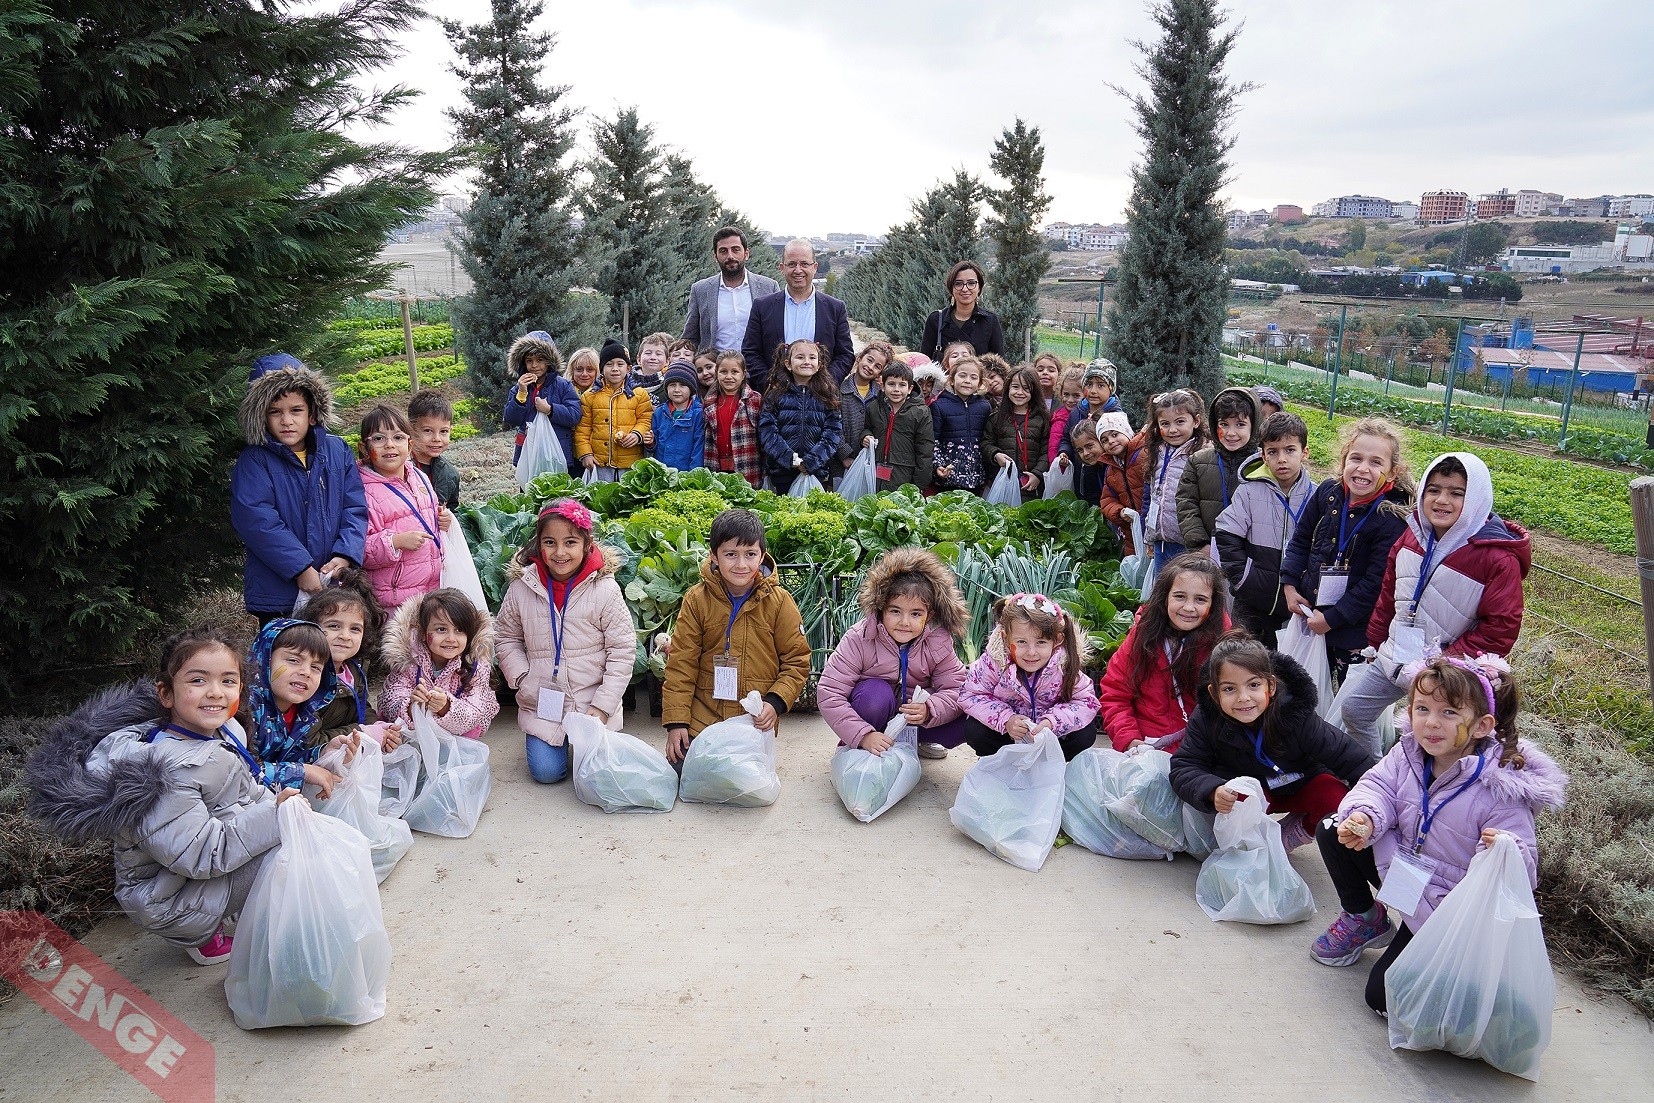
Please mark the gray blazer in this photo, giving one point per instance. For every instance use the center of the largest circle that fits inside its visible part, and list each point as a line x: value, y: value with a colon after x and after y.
x: 701, y: 323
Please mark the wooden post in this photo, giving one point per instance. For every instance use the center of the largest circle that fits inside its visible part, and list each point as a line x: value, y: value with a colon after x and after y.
x: 1642, y: 520
x: 407, y: 344
x: 626, y: 325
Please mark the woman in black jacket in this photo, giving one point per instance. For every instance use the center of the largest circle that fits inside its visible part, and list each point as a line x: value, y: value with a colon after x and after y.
x: 964, y: 319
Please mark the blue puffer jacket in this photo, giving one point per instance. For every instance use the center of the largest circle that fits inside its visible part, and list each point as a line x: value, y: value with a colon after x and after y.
x: 797, y: 421
x: 558, y: 392
x: 680, y: 438
x: 959, y: 419
x: 289, y: 515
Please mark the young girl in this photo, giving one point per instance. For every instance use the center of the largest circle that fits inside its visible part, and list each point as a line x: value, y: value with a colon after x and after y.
x: 1049, y: 367
x: 912, y: 613
x: 162, y: 770
x: 405, y: 519
x: 732, y: 421
x: 857, y: 391
x: 1333, y: 568
x: 440, y: 649
x: 1457, y: 778
x: 1017, y: 432
x: 996, y: 374
x: 959, y: 417
x: 1257, y: 719
x: 1068, y: 397
x: 1149, y: 691
x: 614, y: 420
x: 1176, y: 426
x: 351, y: 620
x: 706, y: 371
x: 541, y: 389
x: 955, y: 352
x: 1029, y: 677
x: 930, y: 380
x: 1124, y: 461
x: 566, y: 639
x: 799, y: 427
x: 582, y: 373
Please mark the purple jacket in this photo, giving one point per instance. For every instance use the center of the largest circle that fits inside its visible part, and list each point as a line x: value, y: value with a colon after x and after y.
x: 994, y: 692
x: 1502, y: 798
x: 867, y: 651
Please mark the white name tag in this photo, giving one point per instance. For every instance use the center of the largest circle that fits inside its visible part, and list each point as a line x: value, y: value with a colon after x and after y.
x: 1405, y: 882
x: 1282, y: 780
x: 550, y: 705
x: 1332, y: 587
x: 1408, y: 640
x: 726, y: 681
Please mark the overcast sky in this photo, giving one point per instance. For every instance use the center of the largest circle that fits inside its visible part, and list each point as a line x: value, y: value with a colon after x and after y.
x: 814, y: 118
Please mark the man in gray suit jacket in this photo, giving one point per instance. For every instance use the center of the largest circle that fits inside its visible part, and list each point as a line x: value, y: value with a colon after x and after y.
x: 720, y: 305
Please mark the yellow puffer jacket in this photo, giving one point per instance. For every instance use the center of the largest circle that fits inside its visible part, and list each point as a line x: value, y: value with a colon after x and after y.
x: 767, y: 642
x: 607, y: 413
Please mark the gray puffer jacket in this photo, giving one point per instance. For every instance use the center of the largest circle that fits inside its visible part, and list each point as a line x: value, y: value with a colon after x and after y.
x: 182, y: 815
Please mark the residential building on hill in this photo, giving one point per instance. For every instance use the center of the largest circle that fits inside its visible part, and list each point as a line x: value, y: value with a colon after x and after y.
x: 1288, y: 213
x: 1531, y: 203
x: 1354, y: 206
x: 1499, y: 204
x: 1444, y: 205
x: 1631, y: 206
x: 1404, y: 210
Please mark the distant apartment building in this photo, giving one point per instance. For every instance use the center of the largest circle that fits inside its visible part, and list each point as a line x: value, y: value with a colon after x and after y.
x: 1498, y: 204
x: 1404, y: 210
x: 1354, y: 206
x: 1594, y: 207
x: 1095, y: 236
x: 1288, y: 213
x: 1631, y: 206
x: 1444, y: 205
x: 1237, y: 221
x: 1532, y: 204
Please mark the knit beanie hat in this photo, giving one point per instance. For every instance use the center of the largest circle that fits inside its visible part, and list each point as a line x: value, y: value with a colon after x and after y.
x: 682, y: 371
x: 1103, y: 369
x: 1113, y: 422
x: 612, y: 350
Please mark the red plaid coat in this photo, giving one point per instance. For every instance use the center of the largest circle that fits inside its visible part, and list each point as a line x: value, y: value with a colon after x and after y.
x: 743, y: 456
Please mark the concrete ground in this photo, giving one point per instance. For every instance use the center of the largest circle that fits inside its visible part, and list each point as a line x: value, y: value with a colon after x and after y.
x: 792, y: 953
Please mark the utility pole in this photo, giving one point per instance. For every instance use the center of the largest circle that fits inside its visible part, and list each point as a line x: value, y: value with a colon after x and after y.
x: 1642, y: 522
x: 1568, y: 403
x: 1338, y: 361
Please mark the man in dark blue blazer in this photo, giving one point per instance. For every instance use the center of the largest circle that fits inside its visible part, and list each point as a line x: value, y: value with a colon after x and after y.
x: 798, y: 311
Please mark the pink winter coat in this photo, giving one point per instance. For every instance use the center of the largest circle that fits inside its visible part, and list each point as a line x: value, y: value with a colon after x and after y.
x: 410, y: 662
x: 867, y: 651
x: 399, y: 575
x: 994, y: 692
x: 1060, y: 415
x: 599, y: 646
x: 1503, y: 798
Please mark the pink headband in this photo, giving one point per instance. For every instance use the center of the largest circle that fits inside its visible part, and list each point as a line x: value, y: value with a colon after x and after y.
x: 1488, y: 669
x: 571, y: 511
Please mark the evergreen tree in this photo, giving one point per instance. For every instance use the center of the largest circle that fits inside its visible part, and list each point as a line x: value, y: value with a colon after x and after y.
x: 1172, y: 297
x: 517, y: 240
x: 630, y: 244
x: 691, y: 213
x: 178, y: 196
x: 1020, y: 252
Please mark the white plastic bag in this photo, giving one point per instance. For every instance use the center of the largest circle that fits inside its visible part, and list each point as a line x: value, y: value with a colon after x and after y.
x: 355, y: 801
x: 1058, y: 480
x: 1476, y: 980
x: 1011, y: 801
x: 591, y: 477
x: 455, y: 782
x: 862, y: 478
x: 732, y: 762
x: 803, y: 485
x: 1135, y: 566
x: 1296, y: 641
x: 459, y: 570
x: 1248, y: 878
x: 1092, y: 779
x: 1006, y: 489
x: 310, y: 948
x: 1199, y: 832
x: 1145, y: 801
x: 401, y: 779
x: 615, y: 771
x: 542, y: 452
x: 1151, y: 571
x: 870, y: 784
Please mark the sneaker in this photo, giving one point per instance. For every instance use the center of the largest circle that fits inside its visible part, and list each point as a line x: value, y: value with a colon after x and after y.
x: 932, y: 750
x: 211, y: 952
x: 1294, y: 834
x: 1342, y: 943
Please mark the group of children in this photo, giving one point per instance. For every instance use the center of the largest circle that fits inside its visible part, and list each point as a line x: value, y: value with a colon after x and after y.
x: 1431, y: 591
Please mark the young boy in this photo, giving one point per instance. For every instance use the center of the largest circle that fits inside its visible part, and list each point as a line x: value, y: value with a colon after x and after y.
x: 1255, y: 527
x: 1121, y: 460
x: 432, y: 419
x: 292, y: 681
x: 296, y: 497
x: 1269, y: 402
x: 541, y: 389
x: 679, y: 424
x: 652, y: 358
x: 1210, y: 477
x: 616, y: 420
x: 900, y: 428
x: 1454, y: 577
x: 996, y: 373
x: 1097, y: 386
x: 738, y: 631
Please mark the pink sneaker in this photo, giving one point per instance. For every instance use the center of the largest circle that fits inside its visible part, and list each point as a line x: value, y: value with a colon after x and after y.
x: 1294, y: 834
x: 212, y: 951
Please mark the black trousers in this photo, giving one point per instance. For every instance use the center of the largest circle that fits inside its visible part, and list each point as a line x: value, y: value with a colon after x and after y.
x: 985, y: 741
x: 1354, y: 874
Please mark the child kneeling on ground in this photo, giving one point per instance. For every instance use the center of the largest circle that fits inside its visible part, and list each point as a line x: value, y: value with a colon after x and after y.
x: 738, y: 631
x: 1457, y: 778
x: 1029, y: 677
x: 912, y: 613
x: 440, y: 649
x: 565, y: 636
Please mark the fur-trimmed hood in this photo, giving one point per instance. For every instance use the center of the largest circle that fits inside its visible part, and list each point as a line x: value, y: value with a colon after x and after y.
x: 949, y: 612
x: 82, y: 793
x: 537, y: 342
x: 255, y: 407
x: 403, y: 647
x: 1540, y: 784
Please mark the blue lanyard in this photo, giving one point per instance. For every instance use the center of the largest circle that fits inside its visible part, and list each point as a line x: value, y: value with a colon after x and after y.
x: 1257, y: 748
x: 1430, y: 814
x: 359, y: 689
x: 735, y: 604
x: 1028, y: 682
x: 224, y: 734
x: 420, y: 517
x: 901, y: 656
x: 1424, y: 569
x: 558, y: 622
x: 1223, y: 471
x: 1343, y: 515
x: 1286, y: 504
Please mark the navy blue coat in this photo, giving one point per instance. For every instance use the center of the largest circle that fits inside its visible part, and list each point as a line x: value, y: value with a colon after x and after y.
x: 565, y: 413
x: 292, y: 517
x: 959, y: 429
x: 1314, y: 547
x: 796, y: 421
x: 766, y: 330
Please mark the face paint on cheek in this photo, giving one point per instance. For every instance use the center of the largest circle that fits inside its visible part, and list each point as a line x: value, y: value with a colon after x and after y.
x: 280, y: 671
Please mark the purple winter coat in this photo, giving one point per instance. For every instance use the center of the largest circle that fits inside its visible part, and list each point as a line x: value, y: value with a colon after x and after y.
x: 1503, y: 798
x: 994, y: 692
x: 867, y: 651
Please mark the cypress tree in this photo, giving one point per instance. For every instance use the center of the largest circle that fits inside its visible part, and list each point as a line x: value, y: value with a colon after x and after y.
x: 1021, y: 255
x: 170, y: 189
x: 1166, y: 322
x: 632, y: 250
x: 517, y: 240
